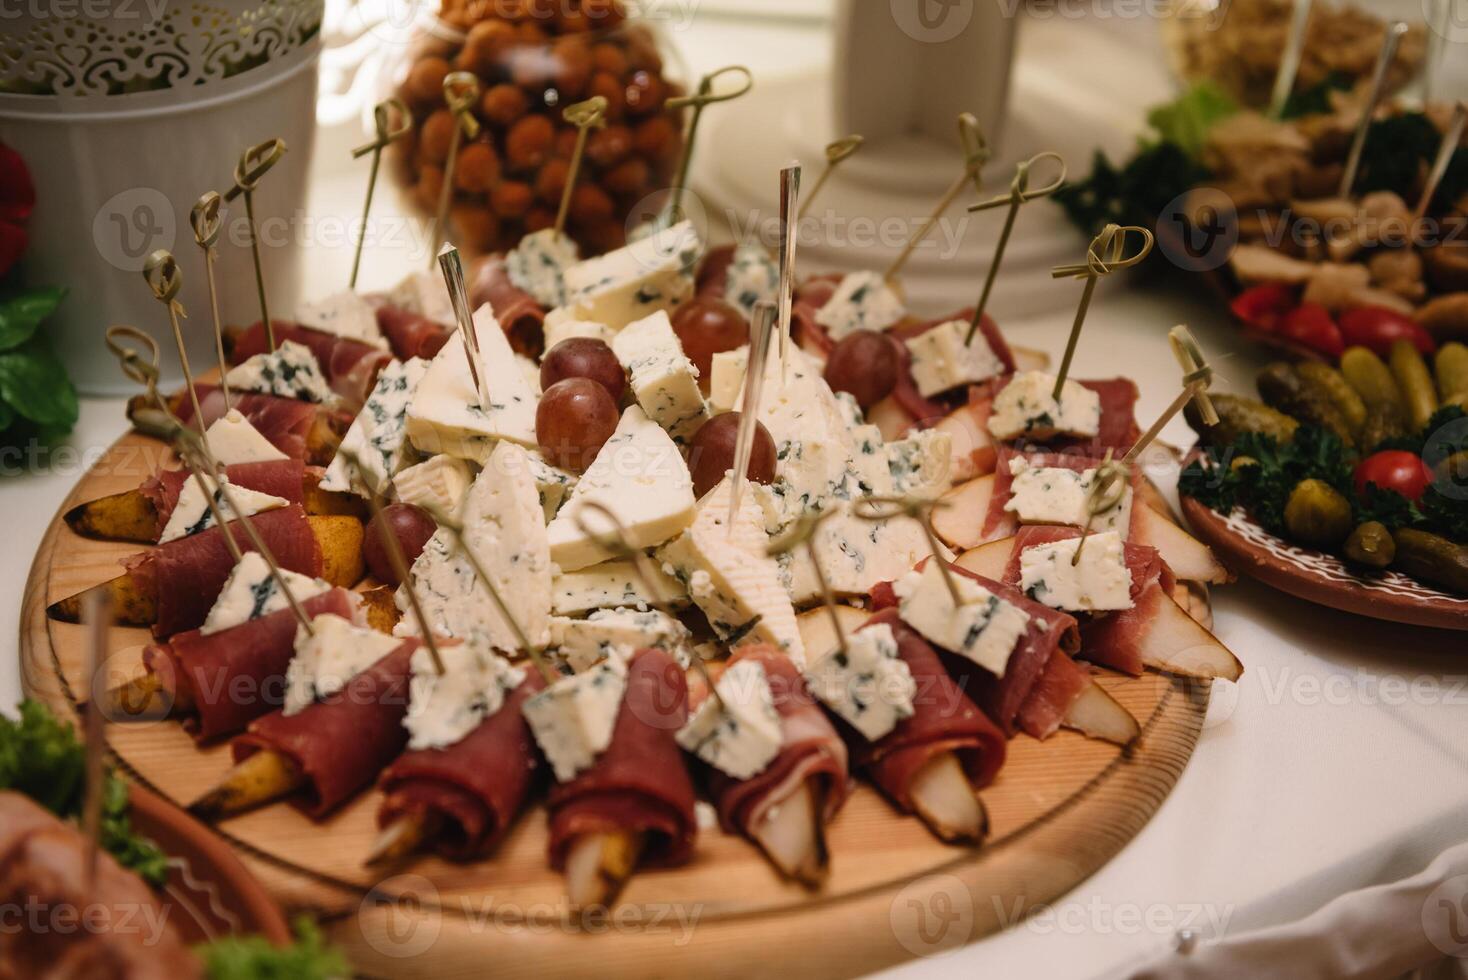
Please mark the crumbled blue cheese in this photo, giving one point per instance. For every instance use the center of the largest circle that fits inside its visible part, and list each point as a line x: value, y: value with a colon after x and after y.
x: 1099, y: 581
x: 867, y: 684
x: 664, y: 380
x: 573, y: 719
x: 378, y: 435
x: 738, y: 732
x: 941, y: 361
x: 232, y: 439
x: 1025, y: 408
x: 637, y: 280
x: 251, y: 592
x: 753, y: 277
x: 618, y: 633
x: 1058, y: 495
x: 611, y: 585
x: 870, y: 472
x: 344, y: 314
x: 335, y: 651
x: 862, y: 301
x: 538, y: 265
x: 290, y: 371
x: 444, y: 708
x: 193, y: 514
x: 922, y: 464
x: 562, y: 324
x: 438, y: 485
x: 984, y: 628
x: 426, y: 294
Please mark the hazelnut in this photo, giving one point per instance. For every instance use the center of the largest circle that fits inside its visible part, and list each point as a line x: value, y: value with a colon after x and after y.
x: 425, y: 80
x: 511, y: 198
x: 478, y: 168
x: 503, y: 104
x: 528, y: 143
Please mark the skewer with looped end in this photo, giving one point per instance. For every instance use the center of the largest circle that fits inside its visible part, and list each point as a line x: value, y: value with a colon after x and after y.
x: 460, y: 94
x: 976, y: 153
x: 877, y: 509
x: 254, y: 163
x: 789, y: 240
x: 1108, y: 489
x: 207, y: 224
x: 699, y: 100
x: 162, y: 275
x: 1105, y: 255
x: 837, y: 151
x: 385, y: 133
x: 1019, y: 193
x: 1384, y: 59
x: 453, y: 278
x: 585, y: 116
x: 97, y: 615
x: 754, y: 382
x: 1452, y: 136
x: 1197, y: 378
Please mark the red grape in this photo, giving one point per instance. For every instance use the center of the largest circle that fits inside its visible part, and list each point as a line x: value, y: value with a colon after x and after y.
x: 410, y: 526
x: 705, y: 327
x: 711, y: 453
x: 575, y: 417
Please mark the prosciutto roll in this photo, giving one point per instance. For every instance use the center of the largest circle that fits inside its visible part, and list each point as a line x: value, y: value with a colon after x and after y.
x: 1001, y: 523
x: 518, y: 313
x: 185, y: 575
x: 277, y: 477
x: 226, y: 680
x: 340, y: 744
x: 810, y: 749
x: 284, y: 422
x: 411, y: 334
x: 349, y: 366
x: 477, y: 785
x: 639, y: 783
x: 944, y: 720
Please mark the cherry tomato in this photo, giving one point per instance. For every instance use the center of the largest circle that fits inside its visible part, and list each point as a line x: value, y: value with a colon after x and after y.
x: 1262, y: 307
x: 1377, y: 328
x: 1394, y: 469
x: 1310, y: 325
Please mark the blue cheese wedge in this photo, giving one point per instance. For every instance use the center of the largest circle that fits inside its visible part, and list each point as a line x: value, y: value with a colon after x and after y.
x: 538, y: 265
x: 379, y: 434
x: 444, y: 708
x: 232, y: 439
x: 731, y: 578
x: 335, y: 651
x: 1057, y: 495
x: 1025, y: 408
x: 562, y: 324
x: 505, y: 527
x: 290, y: 371
x: 738, y: 732
x: 445, y: 415
x: 862, y: 301
x: 573, y: 719
x: 870, y: 472
x: 664, y: 380
x: 922, y: 464
x: 192, y: 513
x: 1097, y: 582
x: 619, y: 633
x: 636, y: 281
x: 640, y: 476
x: 811, y: 476
x: 941, y: 361
x: 726, y: 380
x: 612, y: 585
x: 426, y: 294
x: 983, y: 627
x: 753, y: 277
x: 553, y: 483
x: 867, y: 684
x: 438, y: 485
x: 251, y: 592
x: 345, y: 314
x: 854, y: 555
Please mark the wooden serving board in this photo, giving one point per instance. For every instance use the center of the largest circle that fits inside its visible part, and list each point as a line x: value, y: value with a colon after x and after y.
x: 1059, y: 810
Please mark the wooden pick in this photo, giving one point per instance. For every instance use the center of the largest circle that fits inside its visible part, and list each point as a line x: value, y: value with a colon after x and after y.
x: 385, y: 133
x: 1107, y: 491
x: 699, y: 100
x: 453, y: 277
x: 878, y: 509
x: 142, y: 370
x: 789, y: 240
x: 585, y: 116
x: 976, y: 153
x: 1445, y: 150
x: 1384, y: 58
x: 460, y: 93
x: 1019, y: 193
x: 754, y: 382
x: 1197, y: 377
x: 836, y: 152
x: 97, y: 615
x: 204, y: 217
x: 1105, y: 255
x: 1289, y: 61
x: 254, y: 163
x: 803, y: 532
x: 162, y: 275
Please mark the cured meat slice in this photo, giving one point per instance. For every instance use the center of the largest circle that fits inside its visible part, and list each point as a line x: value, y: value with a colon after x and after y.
x: 284, y: 422
x: 341, y: 743
x: 277, y: 477
x: 1061, y: 683
x: 350, y: 366
x: 477, y: 785
x: 411, y: 334
x: 1001, y: 523
x: 519, y: 315
x: 640, y: 782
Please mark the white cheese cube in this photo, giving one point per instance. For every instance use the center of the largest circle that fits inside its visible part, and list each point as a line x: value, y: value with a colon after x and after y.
x: 984, y: 628
x: 862, y: 301
x: 1025, y: 408
x: 1099, y: 581
x: 726, y: 380
x: 640, y: 476
x: 922, y: 464
x: 941, y: 361
x: 538, y: 265
x: 426, y: 294
x: 290, y: 371
x: 335, y: 651
x: 573, y: 719
x: 251, y: 592
x: 635, y: 281
x: 232, y: 439
x: 753, y: 276
x: 738, y: 732
x: 378, y: 435
x: 192, y: 513
x: 1058, y: 495
x: 345, y: 314
x: 610, y: 585
x: 867, y: 684
x: 438, y: 485
x: 443, y: 708
x: 618, y: 633
x: 664, y: 381
x: 561, y: 324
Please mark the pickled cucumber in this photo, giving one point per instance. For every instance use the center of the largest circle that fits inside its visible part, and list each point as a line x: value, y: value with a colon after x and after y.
x: 1433, y: 559
x: 1285, y: 388
x: 1317, y: 514
x: 1371, y: 545
x: 1239, y: 415
x: 1412, y: 377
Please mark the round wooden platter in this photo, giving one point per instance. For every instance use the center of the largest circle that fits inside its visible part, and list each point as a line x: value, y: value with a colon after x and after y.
x: 1320, y: 577
x: 1059, y: 810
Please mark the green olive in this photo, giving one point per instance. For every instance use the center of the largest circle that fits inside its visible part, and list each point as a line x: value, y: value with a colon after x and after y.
x: 1371, y: 545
